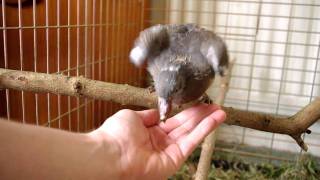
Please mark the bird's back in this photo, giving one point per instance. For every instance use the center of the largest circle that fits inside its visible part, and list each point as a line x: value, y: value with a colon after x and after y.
x: 183, y: 49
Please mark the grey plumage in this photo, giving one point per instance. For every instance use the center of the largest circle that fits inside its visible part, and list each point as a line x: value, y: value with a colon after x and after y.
x: 182, y: 60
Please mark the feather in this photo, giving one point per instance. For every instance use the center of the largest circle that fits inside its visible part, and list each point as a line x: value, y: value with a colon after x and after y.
x: 150, y: 43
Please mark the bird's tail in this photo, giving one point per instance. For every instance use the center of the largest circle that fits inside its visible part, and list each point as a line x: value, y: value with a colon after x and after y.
x: 150, y: 43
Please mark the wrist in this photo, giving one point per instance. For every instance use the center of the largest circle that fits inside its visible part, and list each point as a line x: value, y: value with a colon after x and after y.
x: 106, y: 155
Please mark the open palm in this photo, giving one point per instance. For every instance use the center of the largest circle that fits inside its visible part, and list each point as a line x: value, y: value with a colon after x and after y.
x: 155, y: 151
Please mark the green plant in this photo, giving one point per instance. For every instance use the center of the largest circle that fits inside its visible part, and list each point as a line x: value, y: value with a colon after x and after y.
x: 225, y: 168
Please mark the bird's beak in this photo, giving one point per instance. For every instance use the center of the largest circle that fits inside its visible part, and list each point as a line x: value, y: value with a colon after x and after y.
x: 164, y: 106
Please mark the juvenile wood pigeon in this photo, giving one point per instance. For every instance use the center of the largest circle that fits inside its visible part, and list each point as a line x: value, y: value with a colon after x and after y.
x: 182, y: 60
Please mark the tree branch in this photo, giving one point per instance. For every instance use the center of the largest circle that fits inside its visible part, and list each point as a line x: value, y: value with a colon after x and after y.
x: 76, y: 86
x: 293, y: 126
x: 128, y: 95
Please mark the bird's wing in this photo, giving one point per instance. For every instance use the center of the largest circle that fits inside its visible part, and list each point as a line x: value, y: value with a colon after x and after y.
x: 214, y: 50
x: 154, y: 40
x: 150, y: 43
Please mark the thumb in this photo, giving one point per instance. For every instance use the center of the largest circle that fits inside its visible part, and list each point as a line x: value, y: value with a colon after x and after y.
x: 149, y: 117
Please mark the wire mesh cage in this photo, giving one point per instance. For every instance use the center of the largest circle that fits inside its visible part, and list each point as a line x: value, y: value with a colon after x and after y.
x: 88, y: 38
x: 275, y: 44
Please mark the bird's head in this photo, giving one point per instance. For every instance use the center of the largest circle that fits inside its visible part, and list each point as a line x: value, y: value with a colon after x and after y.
x: 169, y: 84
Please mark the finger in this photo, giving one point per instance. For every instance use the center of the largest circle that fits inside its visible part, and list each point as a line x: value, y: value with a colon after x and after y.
x: 190, y: 124
x: 181, y: 117
x: 149, y: 117
x: 189, y: 142
x: 195, y: 112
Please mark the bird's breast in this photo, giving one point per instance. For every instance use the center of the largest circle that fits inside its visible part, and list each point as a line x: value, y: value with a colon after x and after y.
x: 194, y: 89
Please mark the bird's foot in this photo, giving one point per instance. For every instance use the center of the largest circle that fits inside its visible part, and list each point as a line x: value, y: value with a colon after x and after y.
x: 205, y: 99
x: 151, y: 89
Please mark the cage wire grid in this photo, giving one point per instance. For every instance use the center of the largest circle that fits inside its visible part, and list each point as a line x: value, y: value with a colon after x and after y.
x: 76, y: 38
x: 275, y: 43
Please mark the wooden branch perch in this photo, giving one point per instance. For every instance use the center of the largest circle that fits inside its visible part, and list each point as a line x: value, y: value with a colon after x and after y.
x: 76, y: 86
x: 294, y: 126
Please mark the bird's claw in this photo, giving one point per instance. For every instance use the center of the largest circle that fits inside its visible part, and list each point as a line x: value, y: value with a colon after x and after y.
x: 151, y: 89
x: 205, y: 99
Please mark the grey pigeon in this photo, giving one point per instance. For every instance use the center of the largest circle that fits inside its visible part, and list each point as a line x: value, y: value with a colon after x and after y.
x: 182, y: 60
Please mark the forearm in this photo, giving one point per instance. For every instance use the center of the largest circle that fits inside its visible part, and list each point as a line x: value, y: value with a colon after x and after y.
x: 41, y: 153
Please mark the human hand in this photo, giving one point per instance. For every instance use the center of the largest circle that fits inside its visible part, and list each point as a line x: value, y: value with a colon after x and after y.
x: 148, y: 150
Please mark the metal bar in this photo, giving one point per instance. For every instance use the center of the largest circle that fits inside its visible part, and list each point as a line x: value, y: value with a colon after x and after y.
x: 141, y: 77
x: 135, y: 16
x: 274, y: 80
x: 35, y: 55
x: 311, y: 93
x: 48, y: 60
x: 112, y: 65
x: 263, y: 103
x: 288, y: 141
x: 271, y: 42
x: 125, y: 72
x: 267, y: 2
x: 279, y: 68
x: 127, y: 46
x: 69, y: 62
x: 67, y: 26
x: 227, y: 20
x: 267, y: 91
x: 131, y: 34
x: 58, y: 58
x: 78, y: 61
x: 86, y: 61
x: 5, y: 53
x: 116, y: 63
x: 310, y: 26
x: 93, y: 44
x: 273, y: 55
x: 232, y: 13
x: 252, y: 65
x: 122, y: 34
x: 117, y: 44
x: 106, y: 106
x: 284, y: 64
x: 250, y: 36
x: 241, y: 27
x: 264, y: 29
x: 315, y: 74
x: 21, y: 60
x: 100, y: 59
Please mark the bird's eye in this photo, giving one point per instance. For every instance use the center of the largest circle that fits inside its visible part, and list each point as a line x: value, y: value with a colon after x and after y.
x: 176, y: 90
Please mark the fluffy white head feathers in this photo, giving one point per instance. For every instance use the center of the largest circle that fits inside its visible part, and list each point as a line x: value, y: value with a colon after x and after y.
x: 138, y: 55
